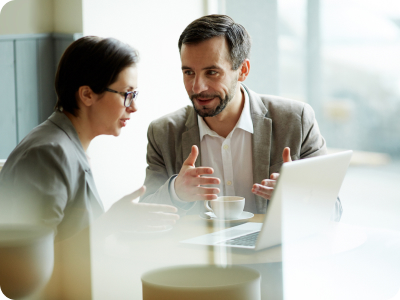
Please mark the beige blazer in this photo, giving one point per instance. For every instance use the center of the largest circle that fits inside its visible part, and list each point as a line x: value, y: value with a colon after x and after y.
x: 277, y: 122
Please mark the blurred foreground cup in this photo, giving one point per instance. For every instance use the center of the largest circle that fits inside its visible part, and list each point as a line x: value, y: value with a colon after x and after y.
x: 202, y: 282
x: 26, y: 259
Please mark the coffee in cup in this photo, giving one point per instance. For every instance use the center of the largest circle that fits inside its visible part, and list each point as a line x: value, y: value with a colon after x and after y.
x: 226, y: 207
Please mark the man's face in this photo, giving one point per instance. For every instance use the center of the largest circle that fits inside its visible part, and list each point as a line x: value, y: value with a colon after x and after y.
x: 208, y: 76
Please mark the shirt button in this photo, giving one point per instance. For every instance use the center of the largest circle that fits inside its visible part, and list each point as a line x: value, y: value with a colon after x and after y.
x: 226, y: 147
x: 229, y: 182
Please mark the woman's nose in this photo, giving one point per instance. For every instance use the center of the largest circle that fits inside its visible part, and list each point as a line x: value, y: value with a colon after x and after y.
x: 133, y: 107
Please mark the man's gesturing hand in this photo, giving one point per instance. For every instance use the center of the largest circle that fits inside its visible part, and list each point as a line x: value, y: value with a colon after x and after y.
x: 188, y: 182
x: 267, y: 186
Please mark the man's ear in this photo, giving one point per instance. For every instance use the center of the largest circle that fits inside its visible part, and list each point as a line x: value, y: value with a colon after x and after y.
x: 86, y: 96
x: 244, y: 70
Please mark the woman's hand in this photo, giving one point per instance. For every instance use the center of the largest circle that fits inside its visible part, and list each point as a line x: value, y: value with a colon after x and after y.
x: 125, y: 215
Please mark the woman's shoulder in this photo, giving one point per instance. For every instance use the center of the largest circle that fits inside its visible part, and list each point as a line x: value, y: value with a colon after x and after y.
x: 45, y: 144
x: 46, y: 133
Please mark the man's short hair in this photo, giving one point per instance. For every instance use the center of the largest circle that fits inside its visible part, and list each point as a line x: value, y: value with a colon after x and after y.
x: 207, y: 27
x: 92, y: 61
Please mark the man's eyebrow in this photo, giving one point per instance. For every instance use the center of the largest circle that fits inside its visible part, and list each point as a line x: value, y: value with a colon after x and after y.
x: 206, y: 68
x: 212, y: 67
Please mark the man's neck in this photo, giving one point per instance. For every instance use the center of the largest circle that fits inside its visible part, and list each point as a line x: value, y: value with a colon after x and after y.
x: 224, y: 122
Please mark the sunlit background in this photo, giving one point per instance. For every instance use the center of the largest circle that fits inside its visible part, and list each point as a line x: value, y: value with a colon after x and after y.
x: 340, y: 56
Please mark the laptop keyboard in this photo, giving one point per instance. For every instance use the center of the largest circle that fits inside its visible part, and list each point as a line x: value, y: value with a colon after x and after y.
x: 244, y: 240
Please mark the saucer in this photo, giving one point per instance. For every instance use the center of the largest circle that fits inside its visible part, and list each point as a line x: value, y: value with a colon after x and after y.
x: 210, y: 216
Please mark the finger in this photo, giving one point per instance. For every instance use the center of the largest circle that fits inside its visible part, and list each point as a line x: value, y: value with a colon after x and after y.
x: 206, y: 180
x: 286, y: 155
x: 274, y: 176
x: 207, y: 190
x: 200, y: 171
x: 268, y: 182
x: 134, y: 195
x: 151, y: 207
x: 190, y: 161
x: 203, y: 197
x: 263, y: 191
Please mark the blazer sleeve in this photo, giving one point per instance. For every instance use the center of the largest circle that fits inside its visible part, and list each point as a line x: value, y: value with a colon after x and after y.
x: 34, y: 188
x: 157, y: 179
x: 313, y: 144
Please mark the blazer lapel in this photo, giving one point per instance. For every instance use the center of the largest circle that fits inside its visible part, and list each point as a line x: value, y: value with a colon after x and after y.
x: 261, y: 144
x: 62, y: 121
x: 191, y: 137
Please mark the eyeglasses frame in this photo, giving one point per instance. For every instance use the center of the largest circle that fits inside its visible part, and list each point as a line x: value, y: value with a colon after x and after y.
x: 125, y: 94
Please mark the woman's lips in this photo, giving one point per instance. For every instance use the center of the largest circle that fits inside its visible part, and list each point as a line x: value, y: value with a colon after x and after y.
x: 123, y: 122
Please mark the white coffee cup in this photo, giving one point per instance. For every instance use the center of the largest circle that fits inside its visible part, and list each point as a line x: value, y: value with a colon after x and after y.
x: 197, y: 282
x: 226, y: 207
x: 26, y: 259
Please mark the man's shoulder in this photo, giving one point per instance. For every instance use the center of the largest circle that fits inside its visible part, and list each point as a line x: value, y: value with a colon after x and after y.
x: 277, y: 104
x: 175, y: 120
x: 276, y: 107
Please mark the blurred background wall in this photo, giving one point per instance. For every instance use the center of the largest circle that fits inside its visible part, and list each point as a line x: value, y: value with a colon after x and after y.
x: 41, y: 16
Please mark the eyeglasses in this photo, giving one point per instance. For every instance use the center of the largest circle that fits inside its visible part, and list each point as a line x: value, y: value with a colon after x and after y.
x: 128, y: 96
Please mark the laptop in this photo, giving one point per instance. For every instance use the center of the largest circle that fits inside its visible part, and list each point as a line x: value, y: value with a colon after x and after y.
x: 302, y: 205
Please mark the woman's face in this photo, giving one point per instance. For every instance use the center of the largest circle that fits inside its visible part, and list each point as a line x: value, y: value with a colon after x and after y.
x: 108, y: 114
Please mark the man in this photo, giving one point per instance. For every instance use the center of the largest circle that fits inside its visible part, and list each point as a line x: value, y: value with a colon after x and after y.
x: 242, y: 137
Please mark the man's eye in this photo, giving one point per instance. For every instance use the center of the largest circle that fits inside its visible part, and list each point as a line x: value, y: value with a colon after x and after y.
x: 212, y: 72
x: 188, y: 72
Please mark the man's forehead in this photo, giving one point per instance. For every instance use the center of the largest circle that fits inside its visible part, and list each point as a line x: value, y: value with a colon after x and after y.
x: 209, y: 51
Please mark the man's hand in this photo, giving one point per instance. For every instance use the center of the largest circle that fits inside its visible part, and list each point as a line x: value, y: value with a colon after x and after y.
x: 125, y: 215
x: 267, y: 186
x: 188, y: 182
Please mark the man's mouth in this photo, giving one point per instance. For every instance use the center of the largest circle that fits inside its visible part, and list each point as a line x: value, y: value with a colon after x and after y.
x: 204, y: 101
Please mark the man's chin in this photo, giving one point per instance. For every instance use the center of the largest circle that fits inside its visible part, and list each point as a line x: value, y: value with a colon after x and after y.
x: 204, y: 112
x: 209, y: 110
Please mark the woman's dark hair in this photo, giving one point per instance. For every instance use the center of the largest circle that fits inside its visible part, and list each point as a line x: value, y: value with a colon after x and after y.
x: 207, y: 27
x: 91, y: 61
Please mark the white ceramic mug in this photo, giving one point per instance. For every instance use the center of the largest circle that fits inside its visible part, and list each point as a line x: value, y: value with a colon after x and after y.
x: 202, y: 282
x: 26, y: 259
x: 226, y: 207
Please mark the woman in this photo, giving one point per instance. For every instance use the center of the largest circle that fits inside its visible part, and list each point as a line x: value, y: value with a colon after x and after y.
x: 47, y: 179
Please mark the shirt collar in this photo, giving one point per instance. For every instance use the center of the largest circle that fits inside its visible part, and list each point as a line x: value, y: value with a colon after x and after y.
x: 245, y: 122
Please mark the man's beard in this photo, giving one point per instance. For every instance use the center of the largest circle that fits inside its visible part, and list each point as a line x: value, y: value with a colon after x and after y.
x: 211, y: 112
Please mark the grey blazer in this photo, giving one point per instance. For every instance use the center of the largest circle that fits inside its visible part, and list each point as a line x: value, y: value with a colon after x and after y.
x: 47, y: 180
x: 277, y: 122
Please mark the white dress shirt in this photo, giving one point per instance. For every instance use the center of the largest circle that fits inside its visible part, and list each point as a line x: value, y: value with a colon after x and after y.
x: 230, y: 157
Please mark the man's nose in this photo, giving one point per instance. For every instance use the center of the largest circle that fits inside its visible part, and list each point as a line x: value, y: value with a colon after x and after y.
x: 199, y: 85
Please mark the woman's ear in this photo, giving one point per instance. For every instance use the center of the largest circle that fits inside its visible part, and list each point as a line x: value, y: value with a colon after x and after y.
x: 86, y: 96
x: 244, y: 70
